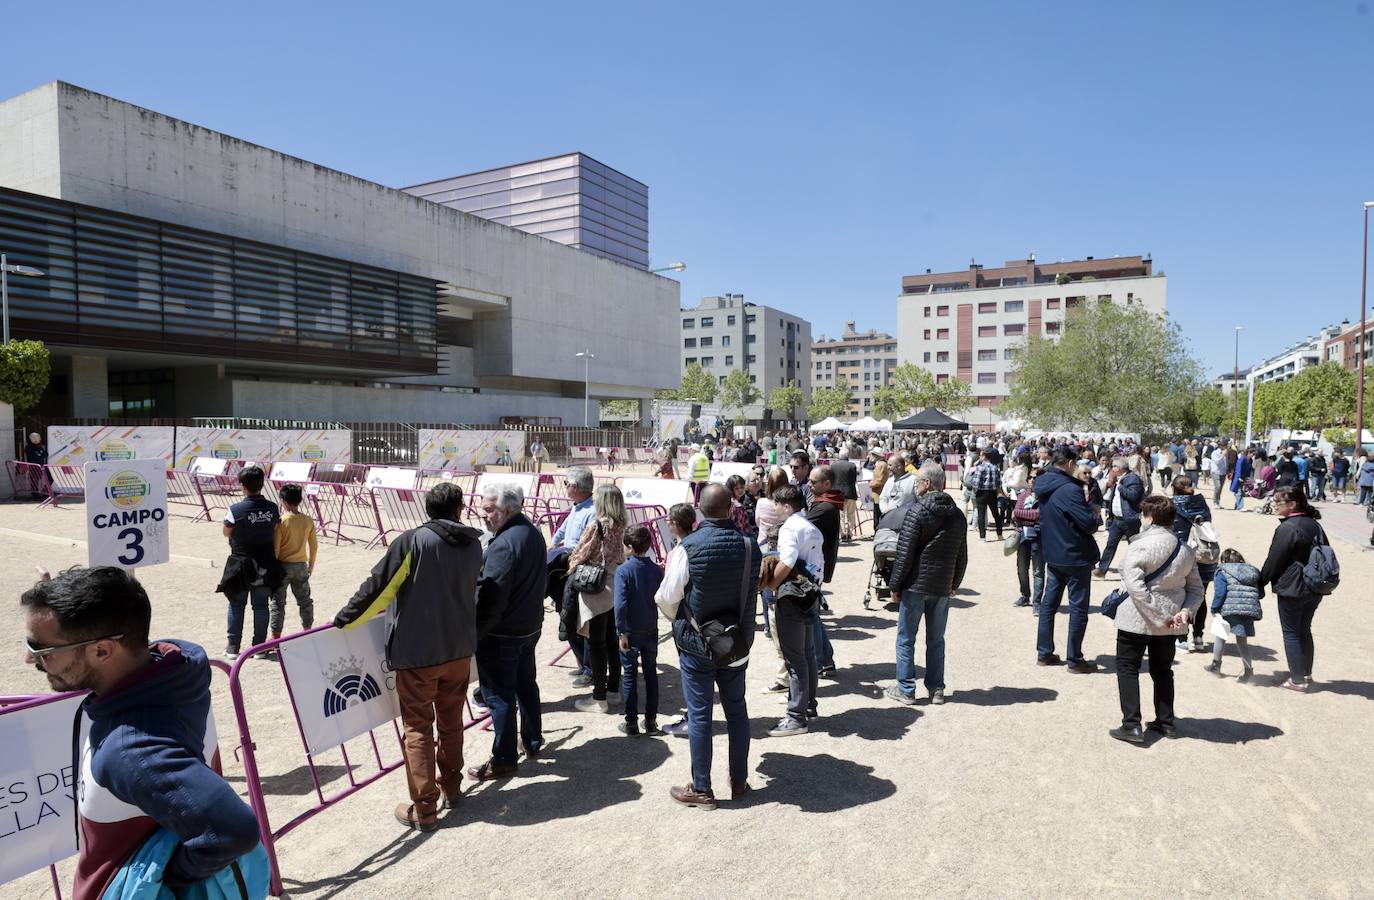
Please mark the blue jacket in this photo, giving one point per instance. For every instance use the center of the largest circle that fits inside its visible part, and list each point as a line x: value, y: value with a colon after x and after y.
x: 716, y: 574
x: 1131, y: 490
x: 141, y: 878
x: 1066, y: 522
x: 515, y: 575
x: 636, y: 583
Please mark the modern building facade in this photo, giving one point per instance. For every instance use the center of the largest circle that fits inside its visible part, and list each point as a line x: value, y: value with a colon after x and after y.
x: 864, y: 359
x: 725, y: 333
x: 1309, y: 351
x: 190, y: 273
x: 966, y: 324
x: 572, y: 199
x: 1344, y: 346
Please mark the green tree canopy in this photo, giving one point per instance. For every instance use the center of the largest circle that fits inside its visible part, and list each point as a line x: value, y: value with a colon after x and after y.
x: 697, y: 386
x: 24, y: 371
x: 1319, y: 396
x: 1115, y: 368
x: 737, y: 392
x: 783, y: 401
x: 831, y: 401
x: 954, y: 396
x: 619, y: 409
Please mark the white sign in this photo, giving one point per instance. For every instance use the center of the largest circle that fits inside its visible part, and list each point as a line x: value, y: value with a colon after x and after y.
x: 525, y: 482
x: 673, y: 417
x: 720, y: 471
x: 291, y: 471
x: 222, y: 443
x: 340, y: 684
x: 454, y: 449
x: 204, y: 465
x: 387, y: 476
x: 37, y: 787
x: 331, y: 445
x: 662, y: 492
x: 126, y: 513
x: 76, y: 445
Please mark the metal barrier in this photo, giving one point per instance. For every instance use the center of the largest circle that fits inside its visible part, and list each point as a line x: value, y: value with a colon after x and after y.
x: 184, y: 489
x: 247, y: 752
x: 30, y: 480
x: 67, y: 481
x: 405, y: 509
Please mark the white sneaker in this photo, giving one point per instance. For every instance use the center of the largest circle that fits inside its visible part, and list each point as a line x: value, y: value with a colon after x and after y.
x: 591, y: 704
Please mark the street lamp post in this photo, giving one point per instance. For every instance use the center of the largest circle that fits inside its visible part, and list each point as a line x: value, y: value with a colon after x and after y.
x: 5, y: 270
x: 586, y: 356
x: 1359, y: 370
x: 1235, y: 377
x: 671, y: 267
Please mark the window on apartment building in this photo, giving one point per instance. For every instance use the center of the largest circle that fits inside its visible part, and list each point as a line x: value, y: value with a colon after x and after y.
x: 927, y: 312
x: 987, y: 331
x: 729, y: 320
x: 689, y: 342
x: 1072, y: 302
x: 753, y: 380
x: 984, y: 355
x: 818, y: 365
x: 1104, y: 298
x: 750, y: 359
x: 1051, y: 328
x: 942, y: 310
x: 689, y: 323
x: 779, y: 362
x: 926, y: 334
x: 722, y: 379
x: 942, y: 334
x: 1012, y: 282
x: 941, y: 378
x: 707, y: 321
x: 1052, y: 303
x: 926, y: 357
x: 942, y: 356
x: 725, y: 340
x: 707, y: 342
x: 1009, y: 353
x: 691, y: 360
x: 986, y: 308
x: 829, y: 365
x: 1008, y: 376
x: 748, y: 318
x: 707, y: 362
x: 749, y: 338
x: 868, y: 364
x: 987, y: 377
x: 1013, y: 330
x: 1014, y: 306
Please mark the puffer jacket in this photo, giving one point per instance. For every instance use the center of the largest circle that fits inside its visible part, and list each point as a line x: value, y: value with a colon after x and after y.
x: 1178, y: 587
x: 1240, y: 598
x: 932, y: 547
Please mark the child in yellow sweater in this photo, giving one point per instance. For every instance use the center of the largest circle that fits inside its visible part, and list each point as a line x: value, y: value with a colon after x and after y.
x: 295, y: 543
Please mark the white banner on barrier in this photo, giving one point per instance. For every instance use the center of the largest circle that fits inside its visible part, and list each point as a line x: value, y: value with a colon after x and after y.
x: 387, y: 476
x: 662, y: 492
x: 37, y: 788
x: 526, y: 482
x: 720, y: 471
x: 332, y: 445
x: 450, y: 449
x: 291, y: 471
x: 673, y: 417
x: 126, y: 513
x: 76, y: 445
x: 340, y: 684
x: 204, y: 465
x: 222, y: 443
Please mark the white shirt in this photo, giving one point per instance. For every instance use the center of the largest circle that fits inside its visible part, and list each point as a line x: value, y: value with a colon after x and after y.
x: 1219, y: 461
x: 799, y: 541
x: 674, y: 585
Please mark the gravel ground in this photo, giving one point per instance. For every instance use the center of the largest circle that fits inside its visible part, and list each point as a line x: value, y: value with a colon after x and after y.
x: 1012, y: 788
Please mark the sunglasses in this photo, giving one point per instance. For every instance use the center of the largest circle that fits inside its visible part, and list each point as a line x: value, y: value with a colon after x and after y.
x: 38, y: 651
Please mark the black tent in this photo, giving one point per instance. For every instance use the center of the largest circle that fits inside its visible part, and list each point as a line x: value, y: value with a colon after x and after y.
x: 929, y: 419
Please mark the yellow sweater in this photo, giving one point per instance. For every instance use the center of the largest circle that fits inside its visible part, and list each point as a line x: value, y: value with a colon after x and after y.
x: 296, y: 533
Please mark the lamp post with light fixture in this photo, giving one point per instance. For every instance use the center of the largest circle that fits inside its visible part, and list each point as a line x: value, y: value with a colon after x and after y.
x: 1359, y: 370
x: 5, y: 270
x: 586, y: 356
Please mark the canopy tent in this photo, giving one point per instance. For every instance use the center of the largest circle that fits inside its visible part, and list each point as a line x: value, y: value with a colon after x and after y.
x: 884, y: 425
x: 830, y: 424
x: 867, y: 423
x: 930, y: 419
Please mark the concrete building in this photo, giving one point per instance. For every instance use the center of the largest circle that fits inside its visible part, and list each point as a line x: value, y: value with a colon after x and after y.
x: 572, y: 199
x: 725, y: 333
x: 1229, y: 381
x: 194, y: 274
x: 865, y: 359
x: 965, y: 324
x: 1344, y: 346
x: 1309, y: 351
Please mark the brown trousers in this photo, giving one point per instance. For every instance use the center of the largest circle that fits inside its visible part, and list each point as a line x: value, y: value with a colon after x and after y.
x: 432, y: 698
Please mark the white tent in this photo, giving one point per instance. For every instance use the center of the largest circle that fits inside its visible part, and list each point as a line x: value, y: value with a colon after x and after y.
x: 830, y: 424
x: 867, y: 423
x: 884, y: 425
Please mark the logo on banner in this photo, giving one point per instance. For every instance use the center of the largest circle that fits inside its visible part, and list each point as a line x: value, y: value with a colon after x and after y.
x: 127, y: 489
x: 449, y: 448
x: 224, y: 450
x: 312, y: 452
x: 113, y: 449
x: 348, y: 686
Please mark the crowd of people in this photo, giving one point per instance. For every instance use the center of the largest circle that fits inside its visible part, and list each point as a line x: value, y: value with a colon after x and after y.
x: 461, y: 602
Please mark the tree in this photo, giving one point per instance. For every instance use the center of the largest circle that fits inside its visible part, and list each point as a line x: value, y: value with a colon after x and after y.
x: 783, y: 401
x: 737, y: 392
x: 888, y: 402
x: 831, y: 401
x: 1319, y: 396
x: 619, y: 409
x: 954, y: 396
x: 697, y: 386
x: 1212, y: 408
x: 1340, y: 438
x: 1115, y: 368
x: 24, y: 371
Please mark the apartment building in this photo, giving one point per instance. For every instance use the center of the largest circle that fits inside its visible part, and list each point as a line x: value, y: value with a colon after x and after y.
x: 1344, y: 346
x: 965, y: 324
x: 1310, y: 351
x: 727, y: 332
x: 866, y: 359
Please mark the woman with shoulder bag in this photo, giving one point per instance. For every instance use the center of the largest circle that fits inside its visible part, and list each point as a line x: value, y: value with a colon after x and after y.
x: 1289, y: 551
x: 1159, y: 576
x: 1192, y: 509
x: 601, y: 547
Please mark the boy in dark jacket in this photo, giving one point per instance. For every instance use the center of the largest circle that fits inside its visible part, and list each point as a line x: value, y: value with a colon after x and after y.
x: 427, y: 586
x: 1066, y: 540
x: 636, y: 624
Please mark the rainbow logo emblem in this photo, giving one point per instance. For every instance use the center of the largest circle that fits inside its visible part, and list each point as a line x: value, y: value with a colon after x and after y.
x: 348, y: 686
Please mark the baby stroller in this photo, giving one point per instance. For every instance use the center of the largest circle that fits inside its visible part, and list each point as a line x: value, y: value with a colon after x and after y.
x: 1257, y: 489
x: 884, y: 554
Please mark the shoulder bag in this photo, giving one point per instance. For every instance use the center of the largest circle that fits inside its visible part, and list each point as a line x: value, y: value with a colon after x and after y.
x: 1322, y: 573
x: 590, y: 578
x: 1112, y: 602
x: 728, y: 644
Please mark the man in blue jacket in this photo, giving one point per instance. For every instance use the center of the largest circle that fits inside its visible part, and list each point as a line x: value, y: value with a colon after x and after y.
x: 149, y: 760
x: 1125, y: 490
x: 1066, y: 541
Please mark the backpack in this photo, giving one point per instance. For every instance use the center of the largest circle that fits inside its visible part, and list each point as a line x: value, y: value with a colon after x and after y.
x: 1322, y: 573
x: 1206, y: 543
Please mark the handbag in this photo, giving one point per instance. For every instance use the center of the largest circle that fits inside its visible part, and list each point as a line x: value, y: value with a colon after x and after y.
x: 590, y: 578
x: 728, y: 644
x: 1112, y: 602
x: 1011, y: 542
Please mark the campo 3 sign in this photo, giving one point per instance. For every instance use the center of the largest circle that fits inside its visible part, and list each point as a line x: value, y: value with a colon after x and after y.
x: 348, y: 685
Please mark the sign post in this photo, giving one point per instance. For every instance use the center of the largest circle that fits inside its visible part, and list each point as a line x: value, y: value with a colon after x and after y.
x: 126, y: 513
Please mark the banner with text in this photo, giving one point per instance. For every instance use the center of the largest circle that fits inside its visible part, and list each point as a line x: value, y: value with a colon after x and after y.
x: 249, y: 445
x: 332, y: 445
x: 340, y: 685
x: 126, y: 513
x: 76, y: 445
x: 452, y: 449
x: 37, y: 787
x: 673, y: 417
x: 721, y: 471
x: 662, y: 492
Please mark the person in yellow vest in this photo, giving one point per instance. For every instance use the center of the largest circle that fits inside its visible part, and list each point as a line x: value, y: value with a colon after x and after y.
x: 699, y: 467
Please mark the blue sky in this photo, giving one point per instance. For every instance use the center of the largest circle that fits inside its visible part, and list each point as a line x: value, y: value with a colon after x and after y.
x: 808, y: 155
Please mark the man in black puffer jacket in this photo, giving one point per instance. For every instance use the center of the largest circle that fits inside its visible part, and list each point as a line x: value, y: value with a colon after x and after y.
x: 932, y: 554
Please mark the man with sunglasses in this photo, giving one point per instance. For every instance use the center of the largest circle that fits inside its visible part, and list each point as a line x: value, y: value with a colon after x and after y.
x: 149, y: 758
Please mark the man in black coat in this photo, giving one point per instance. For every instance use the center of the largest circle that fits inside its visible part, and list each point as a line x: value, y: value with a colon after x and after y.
x: 824, y: 513
x: 932, y: 555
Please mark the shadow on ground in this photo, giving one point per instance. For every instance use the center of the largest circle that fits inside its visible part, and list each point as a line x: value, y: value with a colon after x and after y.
x: 1350, y: 688
x: 396, y: 850
x: 1003, y: 696
x: 819, y: 783
x: 872, y: 723
x: 1226, y: 731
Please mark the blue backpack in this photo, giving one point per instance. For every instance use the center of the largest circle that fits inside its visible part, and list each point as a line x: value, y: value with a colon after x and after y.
x: 1322, y: 574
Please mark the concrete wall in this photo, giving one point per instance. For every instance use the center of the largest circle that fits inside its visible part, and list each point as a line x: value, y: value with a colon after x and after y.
x: 267, y: 399
x: 90, y: 386
x: 6, y: 447
x: 118, y: 156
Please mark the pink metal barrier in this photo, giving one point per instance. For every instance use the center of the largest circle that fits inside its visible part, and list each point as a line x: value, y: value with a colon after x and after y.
x: 67, y: 482
x: 247, y: 752
x: 184, y: 489
x: 402, y: 510
x: 30, y: 481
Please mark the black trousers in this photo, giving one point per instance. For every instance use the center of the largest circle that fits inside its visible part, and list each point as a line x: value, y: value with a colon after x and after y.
x: 1130, y: 650
x: 603, y: 654
x: 982, y: 500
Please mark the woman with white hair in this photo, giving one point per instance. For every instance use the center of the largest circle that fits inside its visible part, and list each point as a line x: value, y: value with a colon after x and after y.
x: 601, y: 544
